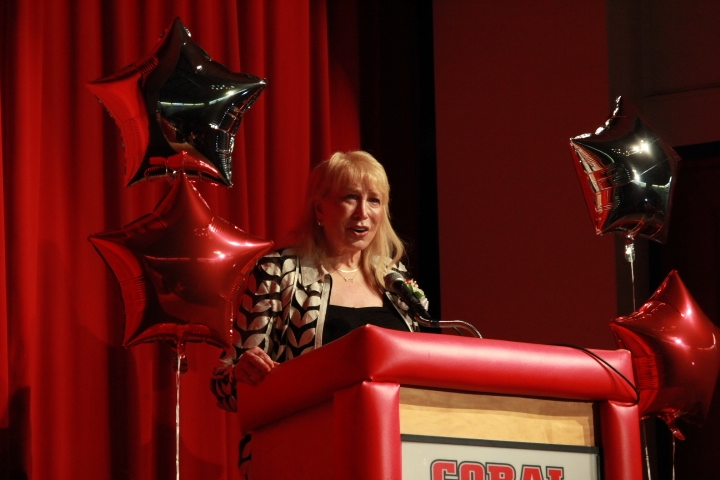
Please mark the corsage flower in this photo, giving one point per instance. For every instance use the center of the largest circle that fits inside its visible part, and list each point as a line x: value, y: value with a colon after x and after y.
x: 417, y: 291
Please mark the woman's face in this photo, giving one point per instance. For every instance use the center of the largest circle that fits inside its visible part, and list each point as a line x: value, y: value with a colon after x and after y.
x: 350, y: 216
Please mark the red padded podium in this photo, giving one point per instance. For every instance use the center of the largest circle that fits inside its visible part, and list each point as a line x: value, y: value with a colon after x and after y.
x: 340, y: 412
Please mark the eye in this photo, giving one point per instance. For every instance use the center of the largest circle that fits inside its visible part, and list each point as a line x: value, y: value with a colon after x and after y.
x: 374, y: 201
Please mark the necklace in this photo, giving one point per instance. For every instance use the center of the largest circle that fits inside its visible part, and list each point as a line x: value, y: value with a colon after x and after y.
x: 347, y: 271
x: 348, y: 280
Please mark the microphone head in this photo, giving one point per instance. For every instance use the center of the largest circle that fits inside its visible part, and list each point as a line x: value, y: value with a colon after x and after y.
x: 395, y: 282
x: 391, y: 280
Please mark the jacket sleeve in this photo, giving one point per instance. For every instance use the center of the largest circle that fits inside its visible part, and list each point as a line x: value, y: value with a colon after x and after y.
x: 260, y: 306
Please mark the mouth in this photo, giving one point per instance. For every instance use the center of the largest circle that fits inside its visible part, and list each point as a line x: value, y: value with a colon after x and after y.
x: 359, y: 230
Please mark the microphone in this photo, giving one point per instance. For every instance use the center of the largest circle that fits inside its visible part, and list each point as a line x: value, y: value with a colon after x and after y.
x: 395, y: 283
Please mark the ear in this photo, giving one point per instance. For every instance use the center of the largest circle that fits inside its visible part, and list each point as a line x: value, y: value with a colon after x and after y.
x: 318, y: 212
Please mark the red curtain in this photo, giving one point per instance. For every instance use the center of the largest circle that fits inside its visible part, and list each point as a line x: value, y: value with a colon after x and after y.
x: 73, y: 402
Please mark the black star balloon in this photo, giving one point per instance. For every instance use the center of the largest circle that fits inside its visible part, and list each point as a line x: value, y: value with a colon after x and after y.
x: 178, y: 110
x: 628, y: 174
x: 180, y: 269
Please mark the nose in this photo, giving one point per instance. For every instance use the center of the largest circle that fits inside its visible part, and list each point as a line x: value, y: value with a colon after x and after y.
x: 361, y: 209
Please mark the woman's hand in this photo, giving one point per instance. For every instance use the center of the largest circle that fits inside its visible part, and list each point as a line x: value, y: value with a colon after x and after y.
x: 253, y: 365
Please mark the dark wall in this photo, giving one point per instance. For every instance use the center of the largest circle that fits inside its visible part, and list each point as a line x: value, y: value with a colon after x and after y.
x: 518, y: 254
x: 397, y: 115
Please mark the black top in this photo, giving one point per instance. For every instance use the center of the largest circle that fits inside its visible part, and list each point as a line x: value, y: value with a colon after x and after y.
x: 340, y: 321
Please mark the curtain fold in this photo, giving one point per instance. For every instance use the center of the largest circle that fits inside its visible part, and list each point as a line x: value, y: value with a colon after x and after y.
x: 73, y: 402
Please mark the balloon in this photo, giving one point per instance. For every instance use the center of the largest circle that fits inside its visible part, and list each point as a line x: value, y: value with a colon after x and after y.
x: 178, y: 110
x: 180, y: 269
x: 121, y: 95
x: 675, y: 354
x: 627, y: 173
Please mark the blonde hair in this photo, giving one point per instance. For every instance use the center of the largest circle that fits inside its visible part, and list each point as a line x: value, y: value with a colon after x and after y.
x: 346, y: 168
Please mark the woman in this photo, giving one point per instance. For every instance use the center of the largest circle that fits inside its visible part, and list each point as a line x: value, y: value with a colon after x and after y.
x: 331, y: 282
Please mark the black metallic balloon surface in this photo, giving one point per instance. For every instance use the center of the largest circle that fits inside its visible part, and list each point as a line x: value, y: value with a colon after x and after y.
x: 197, y: 103
x: 178, y: 110
x: 627, y: 173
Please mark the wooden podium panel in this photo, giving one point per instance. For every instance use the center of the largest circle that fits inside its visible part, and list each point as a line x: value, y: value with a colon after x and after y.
x: 442, y: 413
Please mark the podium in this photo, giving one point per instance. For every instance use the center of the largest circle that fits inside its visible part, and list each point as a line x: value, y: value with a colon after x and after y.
x: 383, y: 404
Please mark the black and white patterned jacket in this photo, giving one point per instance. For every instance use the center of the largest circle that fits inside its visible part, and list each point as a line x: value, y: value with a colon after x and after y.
x: 283, y: 312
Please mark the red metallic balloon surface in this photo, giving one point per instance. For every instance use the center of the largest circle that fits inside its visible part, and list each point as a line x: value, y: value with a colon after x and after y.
x: 627, y: 173
x: 675, y: 353
x: 180, y: 269
x: 178, y: 110
x: 121, y: 95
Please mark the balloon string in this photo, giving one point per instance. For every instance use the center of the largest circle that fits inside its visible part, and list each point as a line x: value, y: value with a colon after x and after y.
x: 673, y: 457
x: 178, y: 372
x: 632, y: 280
x: 630, y: 257
x: 647, y: 454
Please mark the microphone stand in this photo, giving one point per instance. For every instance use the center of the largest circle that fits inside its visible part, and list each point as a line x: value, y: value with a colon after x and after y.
x: 395, y: 282
x: 456, y: 324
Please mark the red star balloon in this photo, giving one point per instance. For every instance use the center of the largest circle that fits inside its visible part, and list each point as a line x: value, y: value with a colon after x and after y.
x: 180, y: 269
x: 178, y: 110
x: 121, y: 95
x: 675, y: 354
x: 627, y: 173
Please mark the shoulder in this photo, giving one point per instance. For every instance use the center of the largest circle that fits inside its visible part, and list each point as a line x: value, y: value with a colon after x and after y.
x: 281, y: 253
x: 397, y: 267
x: 281, y: 260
